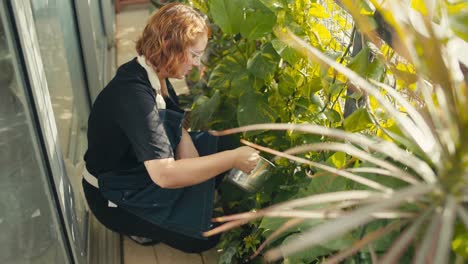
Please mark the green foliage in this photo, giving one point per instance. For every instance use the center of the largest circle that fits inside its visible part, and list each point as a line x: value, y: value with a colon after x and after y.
x: 204, y: 108
x: 358, y: 121
x: 460, y: 241
x: 458, y: 15
x: 251, y: 18
x: 253, y: 109
x: 251, y: 76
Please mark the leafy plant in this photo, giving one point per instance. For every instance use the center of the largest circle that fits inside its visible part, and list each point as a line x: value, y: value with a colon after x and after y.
x: 395, y: 169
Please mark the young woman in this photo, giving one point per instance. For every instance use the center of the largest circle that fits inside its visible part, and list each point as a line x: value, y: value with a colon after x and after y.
x: 145, y: 175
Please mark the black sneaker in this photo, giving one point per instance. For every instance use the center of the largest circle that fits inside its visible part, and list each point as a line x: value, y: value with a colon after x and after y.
x: 144, y: 241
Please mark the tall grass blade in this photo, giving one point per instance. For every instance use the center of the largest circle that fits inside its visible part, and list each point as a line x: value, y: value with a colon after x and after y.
x: 283, y: 228
x: 334, y: 228
x: 371, y: 170
x: 446, y: 231
x: 329, y: 214
x: 345, y: 174
x: 324, y: 198
x: 424, y: 253
x: 401, y: 244
x: 353, y: 151
x: 451, y: 129
x: 376, y: 144
x: 369, y: 238
x: 439, y: 120
x: 463, y: 214
x: 417, y: 118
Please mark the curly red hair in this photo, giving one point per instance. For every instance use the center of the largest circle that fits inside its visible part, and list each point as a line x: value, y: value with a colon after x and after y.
x: 168, y: 34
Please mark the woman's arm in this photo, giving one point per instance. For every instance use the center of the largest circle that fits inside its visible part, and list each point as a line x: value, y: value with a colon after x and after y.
x: 186, y: 149
x: 170, y: 173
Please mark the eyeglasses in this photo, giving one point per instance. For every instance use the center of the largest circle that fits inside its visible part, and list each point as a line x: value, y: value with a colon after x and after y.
x: 196, y: 56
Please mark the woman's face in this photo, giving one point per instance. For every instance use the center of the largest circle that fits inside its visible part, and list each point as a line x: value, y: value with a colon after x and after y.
x: 194, y: 54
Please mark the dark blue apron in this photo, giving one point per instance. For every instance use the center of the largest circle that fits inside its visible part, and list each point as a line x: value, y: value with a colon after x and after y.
x: 185, y: 210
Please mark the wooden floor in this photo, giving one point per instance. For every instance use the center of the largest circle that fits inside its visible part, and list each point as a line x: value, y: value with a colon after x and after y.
x: 130, y: 23
x: 163, y: 254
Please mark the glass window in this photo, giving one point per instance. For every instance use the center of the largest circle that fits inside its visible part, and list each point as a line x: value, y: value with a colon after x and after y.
x: 60, y: 53
x: 29, y: 229
x: 99, y: 38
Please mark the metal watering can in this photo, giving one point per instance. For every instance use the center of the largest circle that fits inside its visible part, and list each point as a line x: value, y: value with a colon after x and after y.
x: 253, y: 180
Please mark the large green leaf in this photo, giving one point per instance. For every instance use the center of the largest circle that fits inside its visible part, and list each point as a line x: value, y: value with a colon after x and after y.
x: 275, y: 5
x: 263, y: 62
x: 312, y: 86
x: 360, y: 62
x: 306, y: 256
x: 251, y: 18
x: 270, y: 224
x: 287, y: 53
x: 382, y: 244
x: 254, y: 109
x: 202, y: 111
x: 357, y: 121
x: 325, y: 183
x: 376, y: 70
x: 227, y: 14
x: 286, y: 84
x: 231, y: 73
x: 387, y: 181
x: 258, y: 20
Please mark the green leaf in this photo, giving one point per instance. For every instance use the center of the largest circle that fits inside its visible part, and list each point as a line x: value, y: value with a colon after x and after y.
x: 287, y: 53
x: 230, y: 73
x: 227, y: 14
x: 254, y: 109
x: 312, y: 86
x: 387, y: 181
x: 270, y: 224
x: 360, y: 62
x: 460, y: 241
x: 318, y: 11
x: 376, y: 70
x: 383, y: 243
x: 274, y: 5
x: 227, y: 256
x: 338, y: 159
x: 343, y: 242
x: 325, y: 183
x: 251, y: 18
x: 239, y: 84
x: 335, y: 89
x: 258, y: 19
x: 358, y: 121
x: 202, y: 111
x: 263, y: 62
x: 332, y: 115
x: 306, y: 256
x: 286, y: 84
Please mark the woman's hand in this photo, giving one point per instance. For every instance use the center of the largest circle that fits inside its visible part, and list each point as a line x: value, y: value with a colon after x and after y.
x: 246, y: 159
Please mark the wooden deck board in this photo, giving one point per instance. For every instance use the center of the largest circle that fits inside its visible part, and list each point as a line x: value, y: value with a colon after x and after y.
x: 210, y: 257
x: 168, y: 255
x: 137, y: 254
